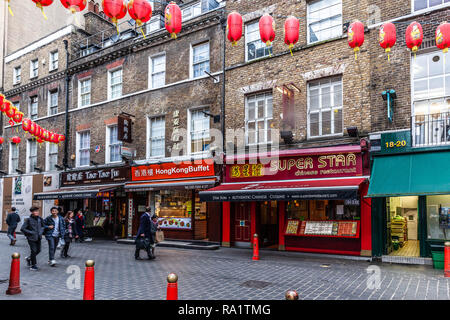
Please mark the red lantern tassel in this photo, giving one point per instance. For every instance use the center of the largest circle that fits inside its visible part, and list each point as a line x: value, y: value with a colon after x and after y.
x: 139, y: 23
x: 10, y: 11
x: 42, y: 10
x: 291, y: 46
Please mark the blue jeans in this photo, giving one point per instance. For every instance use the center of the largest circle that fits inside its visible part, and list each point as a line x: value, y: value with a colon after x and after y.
x: 11, y: 231
x: 52, y: 243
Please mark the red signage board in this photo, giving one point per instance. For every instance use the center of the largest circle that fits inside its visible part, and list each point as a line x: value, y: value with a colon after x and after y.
x: 163, y: 171
x: 297, y: 167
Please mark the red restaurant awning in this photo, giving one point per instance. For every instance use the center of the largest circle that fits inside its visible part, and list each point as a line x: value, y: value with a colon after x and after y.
x: 326, y: 189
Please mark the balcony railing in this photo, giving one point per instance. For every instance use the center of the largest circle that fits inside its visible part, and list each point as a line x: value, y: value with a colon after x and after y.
x: 431, y: 129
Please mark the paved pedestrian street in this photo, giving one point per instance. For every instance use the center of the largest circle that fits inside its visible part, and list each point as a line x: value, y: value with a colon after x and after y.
x: 224, y: 274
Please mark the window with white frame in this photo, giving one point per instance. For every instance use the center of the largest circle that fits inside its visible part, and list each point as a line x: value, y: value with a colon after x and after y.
x: 52, y: 102
x: 84, y: 86
x: 324, y: 20
x: 155, y: 24
x: 325, y: 107
x: 254, y: 47
x: 191, y: 11
x: 158, y: 71
x: 33, y: 107
x: 84, y: 145
x: 17, y: 75
x: 156, y: 136
x: 258, y: 118
x: 200, y: 59
x: 431, y: 98
x: 53, y: 65
x: 13, y: 158
x: 115, y: 83
x: 34, y: 68
x: 52, y: 156
x: 32, y: 155
x: 199, y: 130
x: 113, y: 145
x: 424, y: 4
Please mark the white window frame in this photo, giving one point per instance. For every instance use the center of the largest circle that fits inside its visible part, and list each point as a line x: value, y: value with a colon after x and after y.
x: 331, y: 109
x: 53, y: 61
x: 437, y: 119
x: 194, y: 10
x: 189, y: 127
x: 156, y: 20
x: 49, y: 103
x: 80, y: 94
x: 308, y: 23
x: 11, y: 159
x: 78, y: 142
x: 428, y: 8
x: 17, y: 74
x: 110, y: 73
x: 149, y: 137
x: 48, y: 155
x: 191, y: 71
x: 108, y: 144
x: 29, y: 156
x: 246, y: 42
x: 266, y: 118
x: 32, y: 63
x: 151, y: 73
x: 30, y: 108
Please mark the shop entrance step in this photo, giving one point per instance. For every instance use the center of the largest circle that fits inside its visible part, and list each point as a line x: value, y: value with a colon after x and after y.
x: 407, y: 260
x: 186, y: 244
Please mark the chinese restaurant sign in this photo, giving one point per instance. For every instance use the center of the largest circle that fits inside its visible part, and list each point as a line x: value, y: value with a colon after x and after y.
x: 124, y: 129
x: 300, y: 167
x: 95, y: 176
x: 204, y: 168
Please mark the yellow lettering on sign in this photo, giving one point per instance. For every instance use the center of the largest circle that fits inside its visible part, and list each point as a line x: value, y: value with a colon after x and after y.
x: 257, y: 170
x: 291, y: 163
x: 340, y: 160
x: 322, y: 162
x: 235, y: 172
x: 246, y: 170
x: 351, y: 159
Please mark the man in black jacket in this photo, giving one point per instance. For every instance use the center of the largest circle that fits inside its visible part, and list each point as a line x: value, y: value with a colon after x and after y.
x: 12, y: 220
x: 144, y: 234
x: 55, y: 229
x: 33, y: 228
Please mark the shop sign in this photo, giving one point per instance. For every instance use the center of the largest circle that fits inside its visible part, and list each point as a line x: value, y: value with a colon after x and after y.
x: 300, y: 167
x: 171, y: 170
x: 95, y: 176
x: 393, y: 142
x: 124, y: 128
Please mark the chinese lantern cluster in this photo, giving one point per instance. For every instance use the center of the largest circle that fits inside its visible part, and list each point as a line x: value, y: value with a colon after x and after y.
x: 16, y: 117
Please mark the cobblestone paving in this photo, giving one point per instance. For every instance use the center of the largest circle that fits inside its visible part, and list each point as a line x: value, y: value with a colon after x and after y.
x: 218, y: 275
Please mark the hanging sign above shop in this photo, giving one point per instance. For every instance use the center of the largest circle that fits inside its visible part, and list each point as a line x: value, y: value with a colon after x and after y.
x: 124, y: 128
x: 171, y: 170
x: 298, y: 167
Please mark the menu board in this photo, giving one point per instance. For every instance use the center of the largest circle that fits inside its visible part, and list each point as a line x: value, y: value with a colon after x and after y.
x: 292, y: 227
x: 174, y: 223
x: 348, y: 229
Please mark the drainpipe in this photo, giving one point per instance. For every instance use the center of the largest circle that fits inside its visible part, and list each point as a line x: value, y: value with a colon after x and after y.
x: 223, y: 22
x: 67, y: 84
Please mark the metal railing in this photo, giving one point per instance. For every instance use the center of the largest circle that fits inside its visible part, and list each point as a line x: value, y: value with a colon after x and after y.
x: 431, y: 129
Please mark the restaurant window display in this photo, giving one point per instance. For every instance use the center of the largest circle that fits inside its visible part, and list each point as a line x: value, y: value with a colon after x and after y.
x: 438, y: 217
x: 174, y: 209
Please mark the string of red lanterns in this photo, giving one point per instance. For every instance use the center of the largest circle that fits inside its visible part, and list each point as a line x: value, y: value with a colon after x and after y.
x: 16, y: 117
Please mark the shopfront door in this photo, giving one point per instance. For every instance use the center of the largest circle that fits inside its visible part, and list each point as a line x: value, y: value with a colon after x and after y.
x: 241, y: 226
x: 268, y: 226
x: 140, y: 202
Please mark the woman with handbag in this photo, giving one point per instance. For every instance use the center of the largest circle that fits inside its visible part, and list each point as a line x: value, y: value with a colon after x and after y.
x: 154, y: 229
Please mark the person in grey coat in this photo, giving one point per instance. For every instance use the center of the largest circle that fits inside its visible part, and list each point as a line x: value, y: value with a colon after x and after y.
x: 33, y: 228
x: 12, y: 220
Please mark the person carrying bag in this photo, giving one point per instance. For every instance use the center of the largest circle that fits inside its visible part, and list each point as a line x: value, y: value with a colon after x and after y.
x: 144, y: 235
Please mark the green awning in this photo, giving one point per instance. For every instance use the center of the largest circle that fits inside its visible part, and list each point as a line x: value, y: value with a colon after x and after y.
x: 414, y: 174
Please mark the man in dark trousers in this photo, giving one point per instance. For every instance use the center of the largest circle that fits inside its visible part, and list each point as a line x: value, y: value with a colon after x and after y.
x: 12, y: 220
x: 33, y: 228
x: 144, y: 234
x: 55, y: 229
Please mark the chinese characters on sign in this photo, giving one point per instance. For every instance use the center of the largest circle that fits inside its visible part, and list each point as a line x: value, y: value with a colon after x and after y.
x: 124, y: 129
x: 171, y: 170
x: 107, y: 175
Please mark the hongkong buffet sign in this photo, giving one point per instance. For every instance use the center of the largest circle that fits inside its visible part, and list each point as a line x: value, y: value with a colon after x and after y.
x: 298, y: 167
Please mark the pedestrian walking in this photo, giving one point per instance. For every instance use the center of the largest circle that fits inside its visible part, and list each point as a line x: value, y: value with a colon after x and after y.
x: 80, y: 224
x: 154, y: 227
x: 12, y: 220
x: 33, y: 228
x: 144, y: 235
x: 61, y: 240
x: 54, y: 231
x: 70, y: 233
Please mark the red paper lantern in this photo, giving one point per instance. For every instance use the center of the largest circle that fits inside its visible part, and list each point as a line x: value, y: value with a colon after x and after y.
x: 267, y: 29
x: 173, y: 19
x: 443, y: 36
x: 115, y: 9
x: 74, y: 5
x: 414, y: 36
x: 2, y: 140
x: 16, y: 139
x: 61, y: 138
x: 41, y: 4
x: 26, y: 124
x: 2, y: 98
x: 234, y: 27
x: 45, y: 135
x: 54, y: 137
x: 140, y: 11
x: 387, y: 36
x: 355, y: 36
x: 39, y: 140
x: 18, y: 117
x: 291, y: 32
x: 6, y: 105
